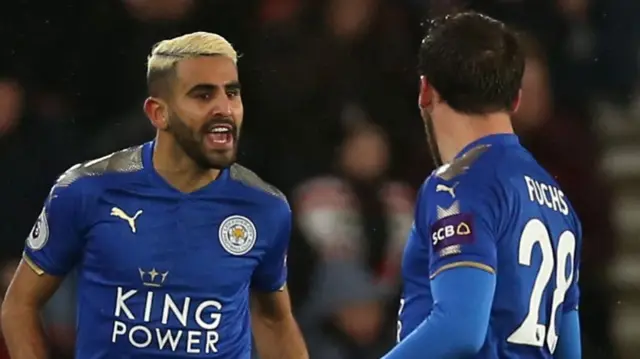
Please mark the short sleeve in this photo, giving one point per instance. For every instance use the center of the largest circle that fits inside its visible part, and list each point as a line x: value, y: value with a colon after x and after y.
x: 462, y: 233
x: 271, y: 274
x: 55, y: 243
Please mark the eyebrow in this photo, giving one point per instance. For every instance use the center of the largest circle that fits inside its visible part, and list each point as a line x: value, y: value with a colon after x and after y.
x: 234, y: 86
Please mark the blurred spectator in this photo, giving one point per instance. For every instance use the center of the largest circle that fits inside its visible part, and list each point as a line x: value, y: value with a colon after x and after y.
x: 32, y: 134
x: 569, y: 152
x: 159, y: 10
x: 328, y: 57
x: 309, y: 69
x: 11, y: 105
x: 357, y: 221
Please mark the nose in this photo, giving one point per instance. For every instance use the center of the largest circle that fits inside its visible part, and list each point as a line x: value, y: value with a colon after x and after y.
x: 222, y: 106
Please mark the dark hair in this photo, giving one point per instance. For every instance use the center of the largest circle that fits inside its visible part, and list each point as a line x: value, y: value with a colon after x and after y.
x: 473, y: 61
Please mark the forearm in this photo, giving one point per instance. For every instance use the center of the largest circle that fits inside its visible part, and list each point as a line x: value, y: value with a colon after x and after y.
x: 279, y: 339
x: 569, y: 345
x: 22, y: 331
x: 457, y: 325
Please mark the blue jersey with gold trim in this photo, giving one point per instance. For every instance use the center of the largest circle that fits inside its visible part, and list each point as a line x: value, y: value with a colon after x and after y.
x: 496, y: 209
x: 161, y: 273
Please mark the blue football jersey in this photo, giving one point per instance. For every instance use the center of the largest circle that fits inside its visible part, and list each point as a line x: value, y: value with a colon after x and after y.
x: 496, y: 209
x: 162, y: 274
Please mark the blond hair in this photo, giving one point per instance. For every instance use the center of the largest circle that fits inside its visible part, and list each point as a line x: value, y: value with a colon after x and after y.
x: 167, y: 53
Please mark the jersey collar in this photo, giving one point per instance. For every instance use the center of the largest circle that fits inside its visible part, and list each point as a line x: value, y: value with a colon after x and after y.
x: 501, y: 139
x: 147, y: 162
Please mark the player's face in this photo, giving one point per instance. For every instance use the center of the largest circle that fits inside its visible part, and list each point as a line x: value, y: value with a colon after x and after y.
x: 206, y: 111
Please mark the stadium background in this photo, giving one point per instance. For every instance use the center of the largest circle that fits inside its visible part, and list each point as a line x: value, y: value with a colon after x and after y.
x: 330, y: 96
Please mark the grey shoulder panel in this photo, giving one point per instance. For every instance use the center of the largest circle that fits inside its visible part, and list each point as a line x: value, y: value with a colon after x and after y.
x: 128, y: 160
x: 462, y: 164
x: 251, y: 179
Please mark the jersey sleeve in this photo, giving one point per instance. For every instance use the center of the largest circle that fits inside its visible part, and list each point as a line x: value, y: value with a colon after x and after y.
x: 572, y: 297
x: 462, y: 232
x: 271, y: 274
x: 55, y: 243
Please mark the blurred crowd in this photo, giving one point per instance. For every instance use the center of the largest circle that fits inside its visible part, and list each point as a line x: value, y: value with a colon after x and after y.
x: 331, y: 119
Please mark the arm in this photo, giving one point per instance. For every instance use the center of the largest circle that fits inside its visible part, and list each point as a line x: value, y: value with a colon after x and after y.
x: 51, y: 250
x: 275, y: 330
x: 21, y: 324
x: 457, y: 325
x: 462, y: 259
x: 569, y: 339
x: 569, y: 346
x: 276, y: 333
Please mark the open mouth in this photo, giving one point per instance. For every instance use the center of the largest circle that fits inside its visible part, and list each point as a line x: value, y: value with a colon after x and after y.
x: 220, y: 136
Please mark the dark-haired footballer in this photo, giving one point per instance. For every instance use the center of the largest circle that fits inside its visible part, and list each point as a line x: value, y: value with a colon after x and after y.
x: 491, y: 265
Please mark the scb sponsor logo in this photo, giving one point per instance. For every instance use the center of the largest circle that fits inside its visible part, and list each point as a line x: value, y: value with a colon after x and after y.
x: 451, y: 230
x: 163, y: 322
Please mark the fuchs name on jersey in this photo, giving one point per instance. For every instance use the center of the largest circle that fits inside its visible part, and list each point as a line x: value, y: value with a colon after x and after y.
x: 546, y: 195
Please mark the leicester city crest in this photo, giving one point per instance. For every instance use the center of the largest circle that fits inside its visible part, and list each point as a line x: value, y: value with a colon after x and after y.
x: 39, y: 233
x: 237, y: 235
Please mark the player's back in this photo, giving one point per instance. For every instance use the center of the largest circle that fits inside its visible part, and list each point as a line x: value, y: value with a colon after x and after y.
x: 495, y: 208
x: 537, y: 242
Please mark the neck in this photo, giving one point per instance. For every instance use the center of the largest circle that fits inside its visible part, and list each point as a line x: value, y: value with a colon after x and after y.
x: 177, y: 168
x: 461, y: 130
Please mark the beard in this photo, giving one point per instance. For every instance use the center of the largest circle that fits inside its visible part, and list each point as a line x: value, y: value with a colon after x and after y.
x: 431, y: 139
x: 192, y: 142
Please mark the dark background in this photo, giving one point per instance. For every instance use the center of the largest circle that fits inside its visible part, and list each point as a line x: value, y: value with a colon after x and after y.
x: 317, y: 74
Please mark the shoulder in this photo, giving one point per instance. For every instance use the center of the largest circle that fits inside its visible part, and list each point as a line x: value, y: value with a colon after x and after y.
x: 250, y: 179
x: 86, y: 177
x: 471, y: 183
x: 475, y: 169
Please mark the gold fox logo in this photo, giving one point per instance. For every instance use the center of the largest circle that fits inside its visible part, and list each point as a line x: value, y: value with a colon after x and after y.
x: 117, y: 212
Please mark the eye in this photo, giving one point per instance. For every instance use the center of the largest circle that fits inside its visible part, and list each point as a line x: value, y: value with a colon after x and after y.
x: 233, y: 93
x: 203, y: 96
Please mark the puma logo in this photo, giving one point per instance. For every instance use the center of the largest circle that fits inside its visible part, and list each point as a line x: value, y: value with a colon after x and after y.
x: 450, y: 190
x: 117, y: 212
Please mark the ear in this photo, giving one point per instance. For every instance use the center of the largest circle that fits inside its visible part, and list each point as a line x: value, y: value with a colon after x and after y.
x: 425, y: 99
x: 156, y: 110
x: 516, y: 103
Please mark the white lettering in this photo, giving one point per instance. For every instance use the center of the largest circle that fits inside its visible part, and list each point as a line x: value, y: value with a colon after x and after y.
x: 119, y: 328
x: 539, y: 197
x: 215, y: 316
x: 193, y: 338
x: 170, y: 305
x: 449, y: 231
x: 121, y: 306
x: 564, y: 207
x: 544, y: 189
x: 168, y: 336
x: 546, y: 195
x: 145, y: 320
x: 531, y: 187
x: 212, y: 340
x: 132, y: 335
x: 147, y: 307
